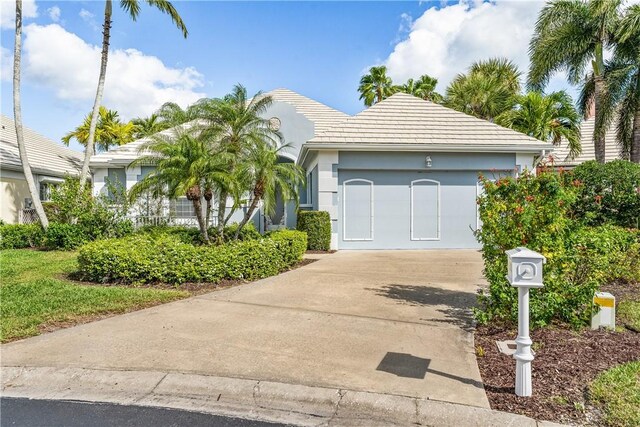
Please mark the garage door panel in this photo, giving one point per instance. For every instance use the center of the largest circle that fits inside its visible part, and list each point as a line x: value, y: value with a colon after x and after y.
x: 358, y: 209
x: 442, y: 215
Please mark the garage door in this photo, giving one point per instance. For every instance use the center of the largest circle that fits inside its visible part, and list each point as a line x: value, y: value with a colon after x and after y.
x: 406, y: 210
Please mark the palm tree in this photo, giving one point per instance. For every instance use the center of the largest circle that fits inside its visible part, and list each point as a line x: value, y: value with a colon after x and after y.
x: 622, y: 78
x: 268, y: 177
x: 551, y: 118
x: 171, y: 114
x: 17, y: 114
x: 110, y: 131
x: 424, y: 87
x: 375, y: 86
x: 234, y: 124
x: 571, y: 36
x: 185, y: 165
x: 132, y: 8
x: 488, y: 89
x: 147, y: 126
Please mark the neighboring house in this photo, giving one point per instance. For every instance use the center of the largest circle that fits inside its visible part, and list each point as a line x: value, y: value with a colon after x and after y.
x: 560, y: 157
x: 402, y: 174
x: 50, y: 162
x: 296, y: 117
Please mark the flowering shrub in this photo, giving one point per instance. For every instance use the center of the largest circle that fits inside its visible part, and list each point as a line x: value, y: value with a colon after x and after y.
x: 148, y: 258
x: 608, y: 193
x: 537, y: 212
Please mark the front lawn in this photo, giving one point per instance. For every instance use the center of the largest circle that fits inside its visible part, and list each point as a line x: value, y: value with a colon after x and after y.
x: 618, y: 391
x: 36, y: 296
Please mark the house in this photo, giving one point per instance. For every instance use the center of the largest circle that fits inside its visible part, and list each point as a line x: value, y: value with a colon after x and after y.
x: 50, y: 163
x: 402, y: 174
x: 296, y: 117
x: 560, y: 157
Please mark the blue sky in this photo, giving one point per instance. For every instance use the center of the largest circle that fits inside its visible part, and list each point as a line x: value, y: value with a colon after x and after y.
x: 319, y: 49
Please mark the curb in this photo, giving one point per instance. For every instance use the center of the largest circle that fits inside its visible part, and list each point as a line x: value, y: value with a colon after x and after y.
x: 250, y: 399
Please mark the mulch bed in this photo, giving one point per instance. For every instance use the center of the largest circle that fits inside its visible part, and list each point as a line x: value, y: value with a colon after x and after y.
x: 565, y: 363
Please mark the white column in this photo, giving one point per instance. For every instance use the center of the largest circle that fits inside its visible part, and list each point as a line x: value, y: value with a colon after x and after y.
x: 523, y: 353
x: 328, y: 190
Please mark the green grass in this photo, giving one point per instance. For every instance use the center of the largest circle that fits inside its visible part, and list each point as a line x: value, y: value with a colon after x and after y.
x: 618, y: 391
x: 629, y: 314
x: 34, y: 294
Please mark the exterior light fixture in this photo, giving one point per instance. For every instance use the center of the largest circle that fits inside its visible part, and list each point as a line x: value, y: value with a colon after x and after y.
x: 428, y: 161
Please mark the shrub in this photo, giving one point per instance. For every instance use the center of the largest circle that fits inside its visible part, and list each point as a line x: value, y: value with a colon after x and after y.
x: 65, y: 236
x: 536, y: 212
x: 527, y: 211
x: 148, y: 258
x: 17, y: 236
x: 317, y: 225
x: 248, y: 232
x: 608, y: 193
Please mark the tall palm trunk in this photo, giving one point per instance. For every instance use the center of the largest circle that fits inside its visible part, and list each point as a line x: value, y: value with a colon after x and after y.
x: 635, y: 141
x: 17, y: 114
x: 599, y: 134
x: 88, y: 152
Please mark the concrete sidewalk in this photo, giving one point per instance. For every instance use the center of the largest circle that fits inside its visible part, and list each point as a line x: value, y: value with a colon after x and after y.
x: 388, y: 322
x: 258, y: 400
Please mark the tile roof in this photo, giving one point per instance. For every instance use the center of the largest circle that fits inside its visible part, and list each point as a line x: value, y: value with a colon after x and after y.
x: 613, y: 150
x: 45, y: 156
x: 405, y: 119
x: 321, y: 115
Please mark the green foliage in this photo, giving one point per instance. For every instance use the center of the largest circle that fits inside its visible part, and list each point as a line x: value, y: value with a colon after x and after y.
x: 17, y: 236
x: 147, y: 258
x: 535, y: 211
x: 618, y: 392
x: 192, y: 235
x: 608, y: 193
x: 64, y: 236
x: 317, y: 225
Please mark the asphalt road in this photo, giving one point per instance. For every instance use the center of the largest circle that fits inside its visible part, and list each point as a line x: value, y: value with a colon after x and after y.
x: 55, y: 413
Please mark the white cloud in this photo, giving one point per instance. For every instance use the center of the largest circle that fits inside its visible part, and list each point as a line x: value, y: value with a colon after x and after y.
x: 6, y: 64
x: 8, y: 12
x: 54, y: 13
x: 136, y: 84
x: 89, y: 18
x: 444, y: 41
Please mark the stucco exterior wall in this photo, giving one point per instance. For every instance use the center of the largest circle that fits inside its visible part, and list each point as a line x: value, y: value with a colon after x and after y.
x: 13, y: 191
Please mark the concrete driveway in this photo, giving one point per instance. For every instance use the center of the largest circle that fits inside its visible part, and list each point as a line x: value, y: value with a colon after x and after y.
x: 395, y: 322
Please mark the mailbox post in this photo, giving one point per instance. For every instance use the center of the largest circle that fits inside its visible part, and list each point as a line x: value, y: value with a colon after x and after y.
x: 524, y: 271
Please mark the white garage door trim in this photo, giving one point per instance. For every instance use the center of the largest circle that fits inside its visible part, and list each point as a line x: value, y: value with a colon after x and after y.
x: 413, y: 205
x: 344, y: 210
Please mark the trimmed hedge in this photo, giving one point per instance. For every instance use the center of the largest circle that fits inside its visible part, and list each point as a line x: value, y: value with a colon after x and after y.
x: 64, y: 236
x: 18, y: 236
x: 166, y: 259
x: 317, y: 225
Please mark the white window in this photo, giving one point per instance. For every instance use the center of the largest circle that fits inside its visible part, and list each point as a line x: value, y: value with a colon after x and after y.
x: 425, y: 209
x: 182, y: 208
x: 357, y: 218
x: 45, y: 191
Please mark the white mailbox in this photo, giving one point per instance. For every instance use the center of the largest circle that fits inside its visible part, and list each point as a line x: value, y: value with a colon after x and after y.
x: 524, y: 268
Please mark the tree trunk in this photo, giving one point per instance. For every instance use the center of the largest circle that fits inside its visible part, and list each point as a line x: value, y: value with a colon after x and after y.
x: 197, y: 206
x: 635, y: 141
x: 88, y: 152
x: 247, y: 216
x: 222, y: 207
x: 17, y: 115
x: 599, y: 136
